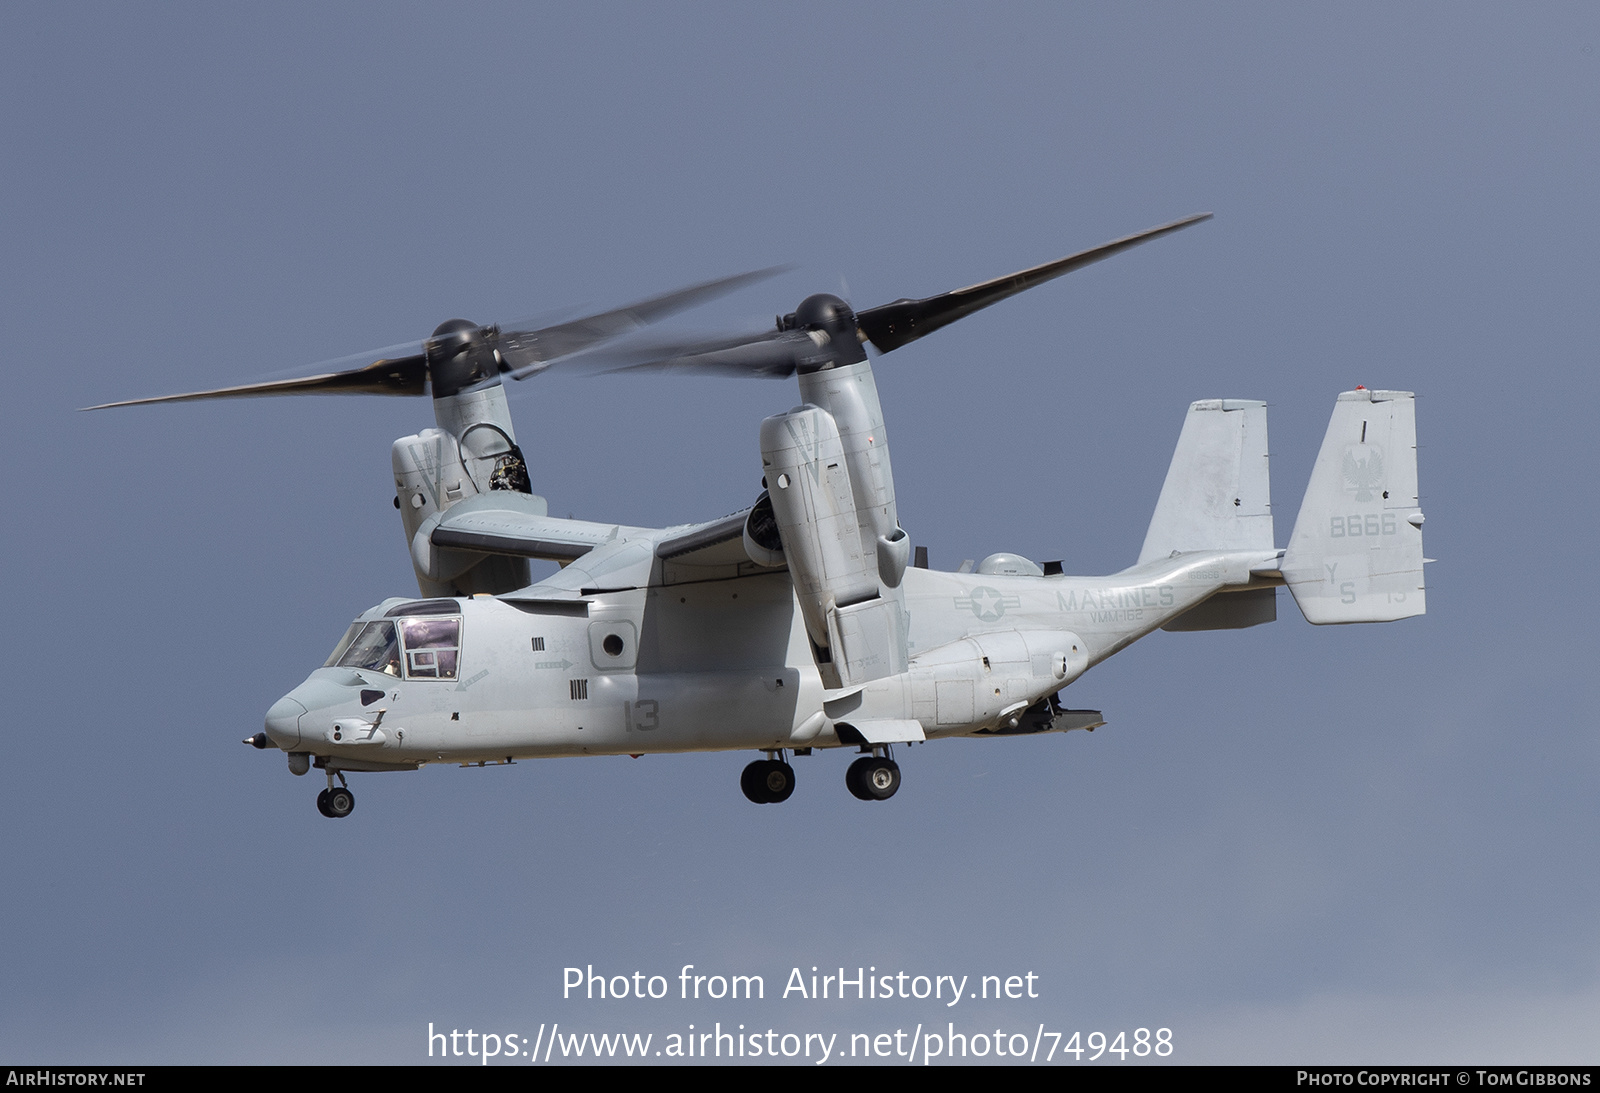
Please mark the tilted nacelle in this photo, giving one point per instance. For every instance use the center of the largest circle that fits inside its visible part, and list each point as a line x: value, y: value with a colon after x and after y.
x: 831, y: 494
x: 473, y: 451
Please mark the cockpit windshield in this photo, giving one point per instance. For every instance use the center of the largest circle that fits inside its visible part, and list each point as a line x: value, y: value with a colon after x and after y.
x: 376, y: 648
x: 432, y: 647
x: 344, y: 643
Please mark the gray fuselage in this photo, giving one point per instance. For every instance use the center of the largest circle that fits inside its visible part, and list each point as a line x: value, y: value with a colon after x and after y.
x: 719, y: 665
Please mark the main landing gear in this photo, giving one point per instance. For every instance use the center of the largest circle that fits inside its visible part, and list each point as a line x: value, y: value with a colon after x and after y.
x: 873, y: 777
x: 336, y: 802
x: 768, y: 781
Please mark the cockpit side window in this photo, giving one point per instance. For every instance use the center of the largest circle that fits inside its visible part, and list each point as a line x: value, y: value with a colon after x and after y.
x: 376, y: 648
x: 433, y: 646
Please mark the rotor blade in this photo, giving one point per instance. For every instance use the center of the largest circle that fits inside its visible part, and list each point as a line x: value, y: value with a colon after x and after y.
x: 754, y: 354
x: 644, y: 351
x: 892, y: 325
x: 774, y: 356
x: 524, y: 350
x: 635, y: 352
x: 400, y: 376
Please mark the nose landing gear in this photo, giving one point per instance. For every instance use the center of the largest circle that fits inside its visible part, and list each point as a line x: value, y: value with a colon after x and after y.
x: 768, y: 781
x: 336, y: 802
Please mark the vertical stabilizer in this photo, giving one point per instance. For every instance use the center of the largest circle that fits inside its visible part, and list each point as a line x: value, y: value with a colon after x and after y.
x: 1217, y: 494
x: 1356, y: 551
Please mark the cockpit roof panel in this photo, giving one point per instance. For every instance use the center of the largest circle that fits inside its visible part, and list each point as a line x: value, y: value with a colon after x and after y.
x: 423, y: 607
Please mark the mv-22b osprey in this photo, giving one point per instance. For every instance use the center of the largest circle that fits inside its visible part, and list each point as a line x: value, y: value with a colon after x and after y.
x: 806, y: 621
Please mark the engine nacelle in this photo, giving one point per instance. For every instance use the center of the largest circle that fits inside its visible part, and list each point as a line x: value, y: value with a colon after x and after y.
x: 808, y: 483
x: 857, y: 633
x: 850, y: 396
x: 472, y: 451
x: 763, y: 543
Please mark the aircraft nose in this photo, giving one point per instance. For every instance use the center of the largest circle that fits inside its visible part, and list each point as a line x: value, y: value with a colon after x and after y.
x: 283, y: 723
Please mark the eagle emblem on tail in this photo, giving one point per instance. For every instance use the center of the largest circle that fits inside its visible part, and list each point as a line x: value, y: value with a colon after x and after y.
x: 1363, y: 475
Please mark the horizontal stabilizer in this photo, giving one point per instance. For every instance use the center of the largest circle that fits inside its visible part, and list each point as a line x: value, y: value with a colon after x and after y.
x: 1217, y: 494
x: 1356, y: 551
x: 1230, y: 611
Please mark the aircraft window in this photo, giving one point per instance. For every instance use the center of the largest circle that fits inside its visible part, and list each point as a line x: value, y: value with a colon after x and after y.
x: 376, y: 648
x: 422, y: 607
x: 432, y: 647
x: 344, y: 643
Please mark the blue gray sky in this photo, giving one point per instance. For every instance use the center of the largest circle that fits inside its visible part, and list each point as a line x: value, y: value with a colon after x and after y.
x: 1289, y: 844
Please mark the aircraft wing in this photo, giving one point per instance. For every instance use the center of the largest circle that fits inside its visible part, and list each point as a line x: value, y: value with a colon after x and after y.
x: 719, y: 542
x: 504, y: 522
x: 709, y: 551
x: 594, y: 555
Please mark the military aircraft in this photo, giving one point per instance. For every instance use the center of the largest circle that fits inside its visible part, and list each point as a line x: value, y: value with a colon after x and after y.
x: 805, y: 622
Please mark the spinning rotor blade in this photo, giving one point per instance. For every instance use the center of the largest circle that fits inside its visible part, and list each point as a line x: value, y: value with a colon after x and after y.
x: 824, y: 332
x: 526, y: 351
x: 399, y: 376
x: 892, y: 325
x: 761, y: 356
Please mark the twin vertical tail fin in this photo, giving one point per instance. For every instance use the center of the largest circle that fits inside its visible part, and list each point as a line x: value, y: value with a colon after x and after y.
x: 1356, y: 551
x: 1217, y: 496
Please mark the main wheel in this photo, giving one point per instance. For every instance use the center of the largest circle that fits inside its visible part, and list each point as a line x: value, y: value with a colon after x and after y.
x: 754, y: 782
x: 341, y: 802
x: 873, y: 779
x: 778, y: 781
x: 882, y: 779
x: 855, y: 779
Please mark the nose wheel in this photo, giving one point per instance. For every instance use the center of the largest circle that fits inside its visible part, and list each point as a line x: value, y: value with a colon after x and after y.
x: 336, y: 802
x: 873, y: 778
x: 768, y: 781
